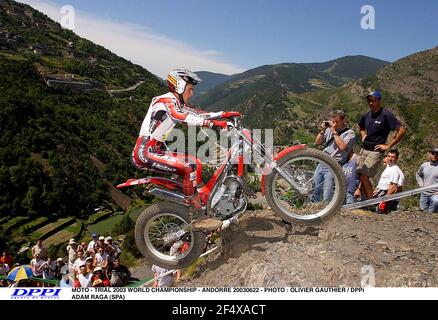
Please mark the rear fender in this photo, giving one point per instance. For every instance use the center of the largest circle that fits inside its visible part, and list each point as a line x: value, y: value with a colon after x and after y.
x: 277, y: 158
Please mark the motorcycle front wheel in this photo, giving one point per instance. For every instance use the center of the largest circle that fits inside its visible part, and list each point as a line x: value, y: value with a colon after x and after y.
x: 322, y: 183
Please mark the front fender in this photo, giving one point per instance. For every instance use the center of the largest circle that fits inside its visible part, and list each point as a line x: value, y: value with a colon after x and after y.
x: 277, y: 158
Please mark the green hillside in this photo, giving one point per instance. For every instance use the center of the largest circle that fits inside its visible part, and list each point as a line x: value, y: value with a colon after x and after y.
x: 209, y: 81
x: 50, y: 133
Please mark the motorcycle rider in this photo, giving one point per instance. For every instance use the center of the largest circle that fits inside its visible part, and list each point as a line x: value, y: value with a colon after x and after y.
x: 164, y: 113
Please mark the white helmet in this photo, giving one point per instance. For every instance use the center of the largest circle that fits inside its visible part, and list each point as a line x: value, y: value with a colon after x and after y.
x: 178, y: 79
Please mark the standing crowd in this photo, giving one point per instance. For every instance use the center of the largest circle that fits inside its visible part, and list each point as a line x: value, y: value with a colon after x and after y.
x: 376, y: 152
x: 92, y: 264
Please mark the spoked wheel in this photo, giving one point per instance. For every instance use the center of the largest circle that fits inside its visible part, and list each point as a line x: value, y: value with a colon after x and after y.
x: 163, y: 235
x: 318, y: 197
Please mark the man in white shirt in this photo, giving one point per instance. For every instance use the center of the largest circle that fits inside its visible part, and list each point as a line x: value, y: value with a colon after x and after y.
x: 90, y: 248
x: 36, y: 265
x: 79, y: 261
x: 391, y: 181
x: 85, y: 277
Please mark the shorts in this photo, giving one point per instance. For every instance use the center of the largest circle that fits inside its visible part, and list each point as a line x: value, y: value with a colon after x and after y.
x: 369, y: 162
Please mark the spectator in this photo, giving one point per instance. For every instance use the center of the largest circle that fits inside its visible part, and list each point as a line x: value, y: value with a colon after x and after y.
x: 389, y: 183
x: 79, y: 261
x: 84, y: 247
x: 89, y: 264
x: 101, y: 259
x: 119, y: 274
x: 164, y: 278
x: 351, y: 176
x: 65, y: 282
x: 428, y: 176
x: 375, y: 127
x: 72, y: 256
x: 39, y: 249
x: 338, y: 142
x: 85, y: 277
x: 7, y: 258
x: 90, y: 247
x: 59, y: 265
x: 37, y: 264
x: 112, y: 249
x: 99, y: 279
x: 4, y: 268
x: 49, y: 269
x: 101, y: 242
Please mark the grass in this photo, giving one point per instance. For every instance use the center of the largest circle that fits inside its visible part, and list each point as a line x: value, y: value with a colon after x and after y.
x: 104, y: 227
x: 128, y: 259
x: 98, y: 215
x: 12, y: 222
x: 31, y: 224
x: 4, y: 220
x: 63, y: 236
x: 14, y: 57
x: 47, y: 228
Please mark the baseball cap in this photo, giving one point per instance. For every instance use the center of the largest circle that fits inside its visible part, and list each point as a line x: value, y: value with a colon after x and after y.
x: 64, y: 270
x: 94, y: 235
x: 375, y: 94
x: 97, y: 269
x: 101, y: 238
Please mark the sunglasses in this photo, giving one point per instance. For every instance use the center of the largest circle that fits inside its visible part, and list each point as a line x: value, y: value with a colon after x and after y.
x: 434, y: 153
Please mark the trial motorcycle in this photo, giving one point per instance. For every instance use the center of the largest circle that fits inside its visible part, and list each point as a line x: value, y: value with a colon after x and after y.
x: 288, y: 183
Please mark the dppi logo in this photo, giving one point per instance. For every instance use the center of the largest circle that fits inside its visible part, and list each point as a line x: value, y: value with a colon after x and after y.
x: 36, y: 294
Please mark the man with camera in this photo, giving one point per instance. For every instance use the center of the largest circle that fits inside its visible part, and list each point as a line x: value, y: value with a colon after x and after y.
x: 338, y: 141
x: 375, y: 127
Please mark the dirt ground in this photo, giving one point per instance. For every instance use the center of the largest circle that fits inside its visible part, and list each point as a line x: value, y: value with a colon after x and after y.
x: 352, y: 248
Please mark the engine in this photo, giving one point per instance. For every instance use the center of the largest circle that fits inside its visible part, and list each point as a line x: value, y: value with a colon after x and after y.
x: 229, y: 199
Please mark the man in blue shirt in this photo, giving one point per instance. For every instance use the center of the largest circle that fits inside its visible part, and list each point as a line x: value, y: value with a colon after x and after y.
x: 375, y: 127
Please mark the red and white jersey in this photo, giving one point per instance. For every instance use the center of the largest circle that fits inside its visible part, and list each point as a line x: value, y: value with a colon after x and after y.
x: 163, y: 114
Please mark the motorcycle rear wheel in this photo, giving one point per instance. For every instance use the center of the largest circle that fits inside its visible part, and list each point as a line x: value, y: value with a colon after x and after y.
x: 163, y: 220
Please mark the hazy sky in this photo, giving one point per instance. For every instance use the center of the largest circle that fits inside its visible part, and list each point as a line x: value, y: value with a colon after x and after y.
x: 230, y: 36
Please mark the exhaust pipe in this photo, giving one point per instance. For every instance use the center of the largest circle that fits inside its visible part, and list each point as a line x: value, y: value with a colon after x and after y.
x: 168, y: 195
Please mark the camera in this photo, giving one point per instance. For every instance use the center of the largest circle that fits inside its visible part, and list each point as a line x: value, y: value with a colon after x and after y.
x: 327, y: 124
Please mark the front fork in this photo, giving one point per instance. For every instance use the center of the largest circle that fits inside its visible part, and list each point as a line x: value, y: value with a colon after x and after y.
x: 286, y: 176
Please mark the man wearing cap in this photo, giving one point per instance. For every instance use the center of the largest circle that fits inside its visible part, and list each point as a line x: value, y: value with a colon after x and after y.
x: 428, y: 176
x: 90, y: 247
x: 375, y: 127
